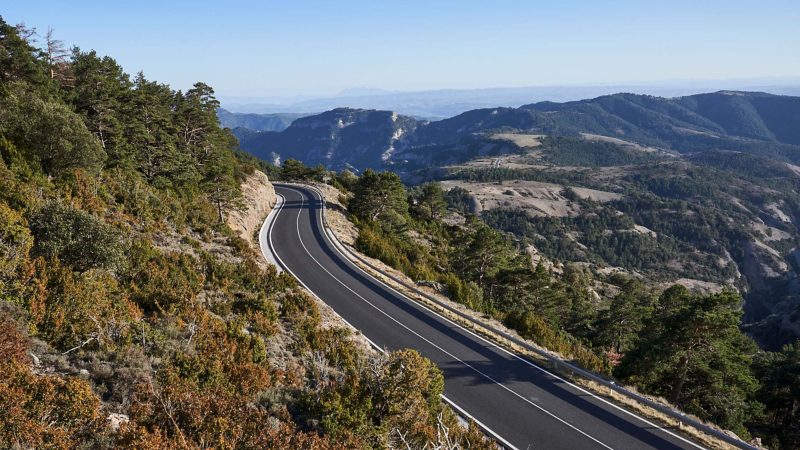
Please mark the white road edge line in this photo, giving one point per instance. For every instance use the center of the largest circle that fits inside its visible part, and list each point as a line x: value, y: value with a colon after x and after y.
x: 460, y: 410
x: 272, y: 249
x: 270, y: 256
x: 466, y: 415
x: 652, y: 424
x: 436, y: 346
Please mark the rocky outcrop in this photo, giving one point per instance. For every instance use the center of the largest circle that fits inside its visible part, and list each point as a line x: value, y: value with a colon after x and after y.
x: 259, y: 198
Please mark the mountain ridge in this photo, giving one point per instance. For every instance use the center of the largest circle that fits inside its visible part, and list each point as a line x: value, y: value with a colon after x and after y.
x: 750, y: 122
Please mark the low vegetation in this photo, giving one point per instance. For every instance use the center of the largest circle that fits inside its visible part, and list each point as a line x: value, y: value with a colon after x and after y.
x: 685, y: 347
x: 130, y: 314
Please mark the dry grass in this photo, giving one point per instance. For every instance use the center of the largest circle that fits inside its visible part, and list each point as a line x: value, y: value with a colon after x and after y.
x: 536, y: 198
x: 523, y: 140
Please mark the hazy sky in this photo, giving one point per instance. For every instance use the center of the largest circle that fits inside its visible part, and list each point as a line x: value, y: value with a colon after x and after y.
x: 301, y: 47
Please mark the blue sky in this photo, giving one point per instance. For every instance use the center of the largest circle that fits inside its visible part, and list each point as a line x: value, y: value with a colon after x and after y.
x: 306, y: 47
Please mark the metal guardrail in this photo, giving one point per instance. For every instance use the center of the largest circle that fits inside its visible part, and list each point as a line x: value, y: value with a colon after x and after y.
x: 682, y: 419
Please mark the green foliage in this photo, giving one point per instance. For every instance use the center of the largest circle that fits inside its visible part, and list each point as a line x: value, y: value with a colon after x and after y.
x: 758, y: 167
x: 381, y: 197
x: 14, y: 252
x: 779, y: 374
x: 294, y: 170
x: 692, y: 352
x: 77, y: 238
x: 22, y: 62
x: 458, y: 199
x: 430, y: 201
x: 571, y: 151
x: 346, y: 179
x: 533, y: 327
x: 619, y: 326
x: 398, y: 252
x: 398, y: 390
x: 159, y: 281
x: 482, y: 269
x: 49, y: 133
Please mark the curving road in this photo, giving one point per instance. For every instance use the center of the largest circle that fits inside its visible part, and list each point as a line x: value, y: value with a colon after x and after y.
x: 524, y: 405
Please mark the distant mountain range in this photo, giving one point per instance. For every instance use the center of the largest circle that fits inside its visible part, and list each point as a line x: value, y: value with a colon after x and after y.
x: 257, y: 122
x: 439, y: 104
x: 750, y: 122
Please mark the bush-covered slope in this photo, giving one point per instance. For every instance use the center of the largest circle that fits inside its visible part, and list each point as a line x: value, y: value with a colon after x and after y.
x: 132, y: 317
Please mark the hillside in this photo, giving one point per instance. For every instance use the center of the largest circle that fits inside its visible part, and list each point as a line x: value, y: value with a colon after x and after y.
x: 134, y: 312
x: 755, y: 123
x: 257, y: 122
x: 339, y: 138
x: 706, y: 221
x: 444, y: 103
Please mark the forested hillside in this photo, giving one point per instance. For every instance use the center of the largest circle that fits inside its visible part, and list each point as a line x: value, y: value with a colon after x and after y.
x: 131, y: 316
x: 750, y: 122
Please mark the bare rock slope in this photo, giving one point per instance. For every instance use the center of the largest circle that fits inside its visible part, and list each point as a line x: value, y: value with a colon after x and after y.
x: 259, y: 198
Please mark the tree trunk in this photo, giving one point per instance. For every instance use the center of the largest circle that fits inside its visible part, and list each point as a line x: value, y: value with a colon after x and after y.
x: 676, y: 389
x: 219, y: 206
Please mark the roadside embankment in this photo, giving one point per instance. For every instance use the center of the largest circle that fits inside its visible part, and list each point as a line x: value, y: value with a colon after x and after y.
x: 259, y: 199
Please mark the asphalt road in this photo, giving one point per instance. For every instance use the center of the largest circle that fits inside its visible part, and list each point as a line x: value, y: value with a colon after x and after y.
x: 523, y: 404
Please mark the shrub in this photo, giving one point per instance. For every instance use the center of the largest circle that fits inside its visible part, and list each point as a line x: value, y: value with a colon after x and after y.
x: 77, y: 238
x: 533, y: 327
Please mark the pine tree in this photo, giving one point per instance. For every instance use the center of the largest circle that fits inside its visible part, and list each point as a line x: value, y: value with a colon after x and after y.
x: 100, y: 93
x: 619, y: 325
x: 487, y: 254
x: 432, y: 200
x: 198, y: 125
x: 379, y: 196
x: 220, y: 182
x: 294, y: 170
x: 693, y: 353
x: 779, y: 373
x: 152, y: 134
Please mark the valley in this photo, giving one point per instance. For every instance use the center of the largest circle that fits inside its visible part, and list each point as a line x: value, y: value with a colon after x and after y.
x: 461, y: 225
x: 702, y: 189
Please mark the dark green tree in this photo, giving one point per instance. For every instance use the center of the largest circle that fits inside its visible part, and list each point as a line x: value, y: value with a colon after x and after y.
x: 100, y: 92
x: 52, y: 135
x: 486, y: 254
x: 152, y: 134
x: 199, y: 134
x: 431, y: 201
x: 692, y: 352
x: 779, y: 374
x: 317, y: 173
x: 619, y: 325
x: 379, y: 196
x: 294, y: 170
x: 220, y: 182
